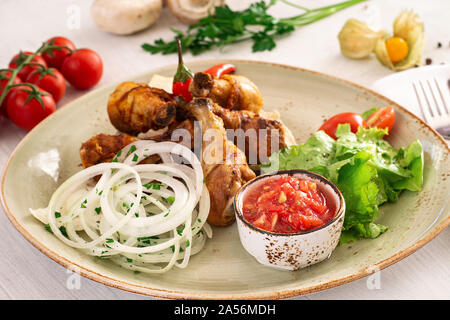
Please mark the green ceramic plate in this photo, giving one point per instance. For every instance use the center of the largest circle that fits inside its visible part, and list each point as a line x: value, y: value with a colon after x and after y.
x: 223, y: 269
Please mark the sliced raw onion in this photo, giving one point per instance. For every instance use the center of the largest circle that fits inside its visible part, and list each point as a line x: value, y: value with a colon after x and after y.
x: 144, y: 217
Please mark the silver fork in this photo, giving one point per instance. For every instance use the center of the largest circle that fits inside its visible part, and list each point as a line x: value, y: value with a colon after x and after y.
x: 434, y: 105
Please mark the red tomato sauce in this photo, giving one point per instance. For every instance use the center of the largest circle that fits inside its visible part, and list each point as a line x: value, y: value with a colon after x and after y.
x: 287, y: 204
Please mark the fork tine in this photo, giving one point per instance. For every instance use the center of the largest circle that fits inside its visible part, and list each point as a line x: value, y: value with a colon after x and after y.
x: 420, y: 102
x: 426, y: 99
x: 442, y: 96
x: 438, y: 109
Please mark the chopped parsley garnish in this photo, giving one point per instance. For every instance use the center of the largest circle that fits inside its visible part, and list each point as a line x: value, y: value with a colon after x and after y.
x: 57, y: 214
x: 117, y: 156
x: 109, y: 240
x: 48, y: 228
x: 135, y: 158
x: 98, y: 210
x: 63, y: 231
x: 154, y: 186
x: 180, y: 231
x: 132, y: 149
x: 170, y: 199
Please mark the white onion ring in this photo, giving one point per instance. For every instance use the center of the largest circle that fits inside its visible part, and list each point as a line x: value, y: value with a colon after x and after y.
x: 144, y: 217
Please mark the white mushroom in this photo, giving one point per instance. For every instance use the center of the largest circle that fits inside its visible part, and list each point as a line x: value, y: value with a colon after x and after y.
x: 125, y: 16
x: 191, y: 11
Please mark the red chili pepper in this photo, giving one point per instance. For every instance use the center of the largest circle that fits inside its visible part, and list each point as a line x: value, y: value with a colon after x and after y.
x: 183, y: 77
x: 221, y: 69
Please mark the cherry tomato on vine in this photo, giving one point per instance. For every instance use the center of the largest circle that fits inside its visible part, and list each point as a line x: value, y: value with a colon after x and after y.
x: 83, y: 68
x: 4, y: 78
x: 27, y: 107
x: 50, y: 80
x: 382, y: 118
x: 26, y: 70
x: 354, y: 119
x: 55, y: 57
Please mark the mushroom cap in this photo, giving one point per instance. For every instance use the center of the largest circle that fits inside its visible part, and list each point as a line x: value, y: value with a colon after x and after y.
x: 125, y: 16
x: 191, y: 11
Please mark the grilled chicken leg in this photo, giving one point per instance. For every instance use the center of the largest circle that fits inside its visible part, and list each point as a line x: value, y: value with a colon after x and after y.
x: 229, y: 91
x: 103, y: 148
x: 224, y: 165
x: 258, y: 136
x: 136, y: 108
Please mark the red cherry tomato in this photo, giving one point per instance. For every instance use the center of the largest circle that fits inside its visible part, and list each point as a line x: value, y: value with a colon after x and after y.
x: 4, y: 78
x: 26, y: 70
x: 55, y: 57
x: 27, y: 114
x: 382, y: 118
x: 354, y: 119
x: 50, y: 80
x: 83, y: 68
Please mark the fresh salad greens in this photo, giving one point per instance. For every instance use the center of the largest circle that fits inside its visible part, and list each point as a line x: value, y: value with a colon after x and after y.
x: 364, y: 166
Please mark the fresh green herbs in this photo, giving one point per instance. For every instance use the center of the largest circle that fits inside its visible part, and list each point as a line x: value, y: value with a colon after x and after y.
x: 254, y: 24
x: 132, y: 149
x: 48, y: 228
x: 170, y: 199
x: 154, y: 186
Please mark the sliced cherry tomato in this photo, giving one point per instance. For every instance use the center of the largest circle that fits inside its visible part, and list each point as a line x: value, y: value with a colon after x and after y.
x: 4, y: 79
x: 50, y: 80
x: 26, y: 70
x: 354, y: 119
x: 55, y: 57
x: 382, y: 118
x: 27, y: 107
x: 83, y: 68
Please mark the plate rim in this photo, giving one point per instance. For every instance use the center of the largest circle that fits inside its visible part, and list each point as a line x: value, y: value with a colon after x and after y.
x: 177, y: 294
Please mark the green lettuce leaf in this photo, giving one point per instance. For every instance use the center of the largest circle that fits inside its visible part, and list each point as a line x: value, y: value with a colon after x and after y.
x: 364, y: 166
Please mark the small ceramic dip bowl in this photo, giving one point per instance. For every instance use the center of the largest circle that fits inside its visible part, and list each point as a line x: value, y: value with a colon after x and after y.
x: 291, y: 251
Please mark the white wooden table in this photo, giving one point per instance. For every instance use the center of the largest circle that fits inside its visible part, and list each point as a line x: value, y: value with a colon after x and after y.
x: 25, y: 273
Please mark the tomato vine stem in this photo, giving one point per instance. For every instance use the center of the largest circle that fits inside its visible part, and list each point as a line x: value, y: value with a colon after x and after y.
x: 46, y: 46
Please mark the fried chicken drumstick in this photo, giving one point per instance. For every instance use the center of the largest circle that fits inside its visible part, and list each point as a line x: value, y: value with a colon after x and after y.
x: 224, y: 165
x: 135, y: 107
x: 229, y: 102
x: 229, y: 91
x: 258, y: 136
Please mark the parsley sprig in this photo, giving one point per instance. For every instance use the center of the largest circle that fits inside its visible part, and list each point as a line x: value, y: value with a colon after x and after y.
x: 255, y: 24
